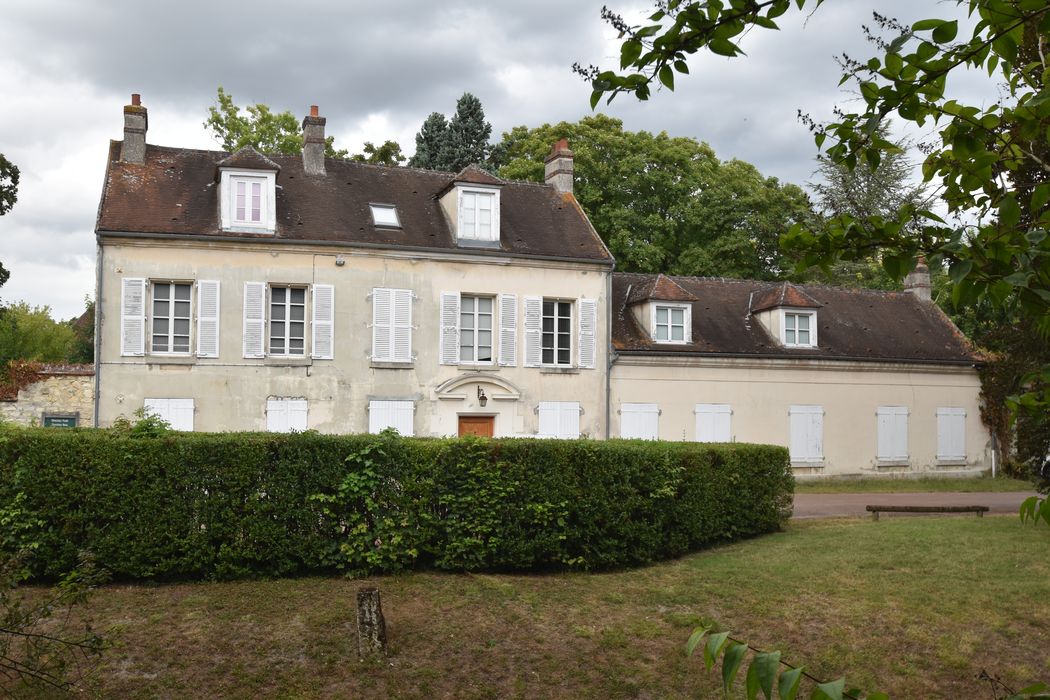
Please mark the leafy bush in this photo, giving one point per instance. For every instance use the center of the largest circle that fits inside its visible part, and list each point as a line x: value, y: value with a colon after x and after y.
x: 195, y: 505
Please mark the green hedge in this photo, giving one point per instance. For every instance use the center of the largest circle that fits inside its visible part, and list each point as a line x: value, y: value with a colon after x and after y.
x: 231, y: 505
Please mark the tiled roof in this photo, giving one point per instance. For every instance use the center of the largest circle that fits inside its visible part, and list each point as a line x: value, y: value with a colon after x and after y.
x: 249, y: 159
x: 856, y: 324
x: 784, y: 294
x: 174, y: 192
x: 658, y: 288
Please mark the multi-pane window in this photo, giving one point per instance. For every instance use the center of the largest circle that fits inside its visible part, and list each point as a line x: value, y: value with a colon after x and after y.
x: 247, y: 201
x: 556, y: 342
x: 171, y: 317
x: 669, y: 324
x: 287, y: 320
x: 799, y: 330
x: 475, y: 329
x: 477, y: 216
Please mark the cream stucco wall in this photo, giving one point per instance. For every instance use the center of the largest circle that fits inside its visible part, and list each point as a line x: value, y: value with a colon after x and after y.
x: 760, y: 393
x: 230, y: 392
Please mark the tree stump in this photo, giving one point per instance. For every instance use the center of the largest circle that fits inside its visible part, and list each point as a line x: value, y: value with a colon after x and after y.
x: 371, y: 627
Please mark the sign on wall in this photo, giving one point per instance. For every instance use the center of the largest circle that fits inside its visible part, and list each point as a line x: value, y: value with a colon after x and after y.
x: 61, y: 420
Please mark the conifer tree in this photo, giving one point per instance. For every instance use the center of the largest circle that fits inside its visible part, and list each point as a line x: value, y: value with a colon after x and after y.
x: 456, y: 143
x: 430, y: 142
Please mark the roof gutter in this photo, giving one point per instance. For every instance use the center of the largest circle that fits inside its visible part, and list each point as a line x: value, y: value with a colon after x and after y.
x: 837, y: 358
x: 101, y: 234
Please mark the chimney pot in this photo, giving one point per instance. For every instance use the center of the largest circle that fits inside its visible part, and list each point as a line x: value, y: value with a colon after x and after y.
x: 313, y: 110
x: 136, y: 121
x: 558, y: 167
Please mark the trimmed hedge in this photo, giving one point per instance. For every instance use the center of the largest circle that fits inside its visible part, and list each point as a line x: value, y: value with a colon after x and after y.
x: 220, y: 506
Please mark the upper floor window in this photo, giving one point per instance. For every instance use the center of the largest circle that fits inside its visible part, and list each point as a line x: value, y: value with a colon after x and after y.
x: 478, y: 214
x: 287, y: 320
x: 170, y: 327
x: 556, y: 339
x: 475, y: 329
x: 671, y: 323
x: 385, y: 215
x: 799, y: 329
x: 248, y: 200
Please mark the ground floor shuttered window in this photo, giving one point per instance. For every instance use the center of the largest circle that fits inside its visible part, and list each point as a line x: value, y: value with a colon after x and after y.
x: 286, y: 415
x: 559, y: 419
x: 639, y: 421
x: 892, y: 427
x: 713, y: 422
x: 391, y: 414
x: 807, y: 434
x: 177, y: 412
x: 951, y: 434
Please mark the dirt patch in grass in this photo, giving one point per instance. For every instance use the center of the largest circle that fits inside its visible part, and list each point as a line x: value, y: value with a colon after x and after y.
x: 913, y: 607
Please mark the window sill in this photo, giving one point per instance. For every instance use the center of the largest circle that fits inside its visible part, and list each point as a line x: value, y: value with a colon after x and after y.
x: 477, y: 243
x: 484, y: 367
x: 808, y: 463
x: 559, y: 370
x: 954, y: 462
x: 170, y: 360
x: 243, y: 228
x: 280, y: 361
x: 892, y: 463
x: 377, y: 364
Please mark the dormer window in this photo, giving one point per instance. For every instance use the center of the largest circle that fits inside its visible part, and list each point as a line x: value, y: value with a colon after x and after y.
x: 478, y: 214
x: 385, y: 215
x: 799, y: 329
x: 671, y: 323
x: 248, y: 200
x: 248, y: 192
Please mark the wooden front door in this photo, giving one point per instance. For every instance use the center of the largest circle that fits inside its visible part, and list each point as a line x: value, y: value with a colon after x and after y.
x: 482, y: 426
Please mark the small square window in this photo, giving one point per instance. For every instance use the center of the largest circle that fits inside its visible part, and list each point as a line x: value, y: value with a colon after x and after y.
x: 385, y: 215
x: 671, y: 324
x: 800, y: 329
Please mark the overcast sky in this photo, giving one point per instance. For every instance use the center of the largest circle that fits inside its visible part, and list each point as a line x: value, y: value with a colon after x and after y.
x: 376, y: 70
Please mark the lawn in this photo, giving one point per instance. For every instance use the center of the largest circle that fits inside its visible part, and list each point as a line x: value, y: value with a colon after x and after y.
x: 874, y: 485
x: 916, y: 607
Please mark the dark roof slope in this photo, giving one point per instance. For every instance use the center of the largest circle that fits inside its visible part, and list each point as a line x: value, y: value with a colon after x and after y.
x: 658, y: 287
x: 175, y: 192
x: 784, y: 294
x: 248, y: 158
x: 857, y: 324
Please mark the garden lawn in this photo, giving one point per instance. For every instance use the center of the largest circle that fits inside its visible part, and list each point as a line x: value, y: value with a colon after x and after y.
x: 915, y: 607
x: 930, y: 485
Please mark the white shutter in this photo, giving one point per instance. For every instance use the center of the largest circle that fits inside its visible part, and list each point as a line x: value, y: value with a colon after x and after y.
x: 548, y: 419
x: 588, y: 329
x: 533, y: 324
x: 449, y: 320
x: 402, y: 325
x: 382, y: 324
x: 207, y: 318
x: 892, y: 428
x: 297, y: 414
x: 807, y: 433
x: 254, y: 319
x: 559, y: 419
x: 508, y: 330
x: 713, y: 422
x: 323, y: 322
x: 951, y: 434
x: 276, y: 416
x: 177, y: 412
x: 640, y: 420
x: 391, y: 414
x: 133, y: 316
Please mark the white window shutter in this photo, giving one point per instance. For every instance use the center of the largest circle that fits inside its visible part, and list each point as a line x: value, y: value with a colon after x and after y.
x: 382, y: 325
x: 133, y: 316
x: 807, y: 433
x: 276, y: 416
x: 892, y: 424
x: 569, y: 420
x: 207, y: 318
x: 713, y: 422
x: 322, y: 344
x: 951, y: 434
x: 177, y: 412
x: 508, y: 330
x: 533, y: 323
x: 403, y: 417
x: 391, y: 414
x: 297, y: 414
x: 639, y: 421
x: 402, y: 313
x: 254, y: 319
x: 588, y: 328
x: 548, y: 419
x: 449, y: 350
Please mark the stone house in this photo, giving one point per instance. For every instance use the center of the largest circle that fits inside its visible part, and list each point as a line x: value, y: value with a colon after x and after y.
x: 249, y: 292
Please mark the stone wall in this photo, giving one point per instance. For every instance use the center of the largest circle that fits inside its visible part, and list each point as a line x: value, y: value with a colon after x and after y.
x: 55, y: 390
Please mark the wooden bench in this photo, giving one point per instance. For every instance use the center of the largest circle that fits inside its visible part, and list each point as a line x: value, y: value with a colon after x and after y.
x: 875, y: 510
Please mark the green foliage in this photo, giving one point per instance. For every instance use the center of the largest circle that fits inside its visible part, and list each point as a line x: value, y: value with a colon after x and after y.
x: 1035, y: 509
x: 9, y: 175
x: 29, y: 333
x: 389, y: 153
x: 456, y: 143
x: 82, y: 350
x: 194, y: 505
x: 261, y: 128
x: 666, y: 204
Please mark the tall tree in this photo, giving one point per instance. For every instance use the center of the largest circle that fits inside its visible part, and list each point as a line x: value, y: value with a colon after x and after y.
x: 259, y: 127
x: 388, y: 153
x: 29, y: 333
x: 455, y: 143
x: 9, y: 175
x: 666, y: 204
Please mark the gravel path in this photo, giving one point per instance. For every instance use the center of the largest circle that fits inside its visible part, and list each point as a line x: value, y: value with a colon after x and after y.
x: 835, y: 505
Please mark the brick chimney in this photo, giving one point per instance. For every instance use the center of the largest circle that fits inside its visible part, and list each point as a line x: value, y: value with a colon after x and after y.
x: 133, y: 149
x: 918, y: 281
x: 557, y: 169
x: 313, y: 143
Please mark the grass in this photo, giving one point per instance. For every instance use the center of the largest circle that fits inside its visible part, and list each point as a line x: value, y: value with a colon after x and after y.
x: 915, y: 607
x: 874, y: 485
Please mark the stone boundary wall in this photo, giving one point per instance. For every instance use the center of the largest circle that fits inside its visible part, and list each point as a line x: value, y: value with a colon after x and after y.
x: 58, y: 392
